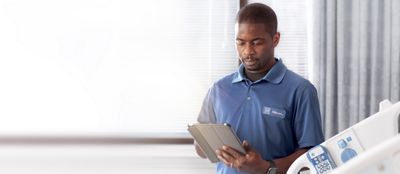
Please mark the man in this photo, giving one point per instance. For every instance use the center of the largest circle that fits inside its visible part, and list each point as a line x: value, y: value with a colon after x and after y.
x: 274, y: 111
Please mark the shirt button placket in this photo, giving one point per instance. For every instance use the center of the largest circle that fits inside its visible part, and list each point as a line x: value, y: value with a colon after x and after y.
x: 248, y: 92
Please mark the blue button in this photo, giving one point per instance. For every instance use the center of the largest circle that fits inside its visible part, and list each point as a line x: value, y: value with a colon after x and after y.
x: 348, y: 154
x: 348, y: 139
x: 342, y: 144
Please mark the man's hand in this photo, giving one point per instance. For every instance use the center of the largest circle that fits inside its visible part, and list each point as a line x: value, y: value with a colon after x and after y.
x: 251, y: 162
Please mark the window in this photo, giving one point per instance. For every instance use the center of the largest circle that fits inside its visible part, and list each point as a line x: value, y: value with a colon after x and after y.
x: 121, y: 67
x: 110, y: 67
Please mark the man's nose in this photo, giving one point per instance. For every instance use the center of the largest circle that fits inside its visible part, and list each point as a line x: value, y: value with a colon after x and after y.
x: 248, y: 50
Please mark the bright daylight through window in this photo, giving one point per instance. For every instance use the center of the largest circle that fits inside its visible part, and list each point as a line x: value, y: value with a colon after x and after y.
x: 118, y: 67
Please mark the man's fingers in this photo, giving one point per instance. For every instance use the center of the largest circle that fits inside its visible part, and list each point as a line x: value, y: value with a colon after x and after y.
x: 246, y: 146
x: 232, y: 152
x: 227, y: 155
x: 231, y: 157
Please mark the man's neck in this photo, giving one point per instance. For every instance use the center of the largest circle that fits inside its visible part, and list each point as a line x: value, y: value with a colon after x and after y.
x: 254, y: 75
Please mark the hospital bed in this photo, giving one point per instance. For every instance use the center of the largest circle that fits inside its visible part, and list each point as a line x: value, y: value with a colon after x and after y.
x: 372, y: 145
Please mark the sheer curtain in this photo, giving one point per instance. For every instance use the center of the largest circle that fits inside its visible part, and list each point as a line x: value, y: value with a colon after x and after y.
x: 356, y: 58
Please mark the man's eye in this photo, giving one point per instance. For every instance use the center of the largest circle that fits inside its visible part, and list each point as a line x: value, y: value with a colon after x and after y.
x: 240, y: 43
x: 257, y: 43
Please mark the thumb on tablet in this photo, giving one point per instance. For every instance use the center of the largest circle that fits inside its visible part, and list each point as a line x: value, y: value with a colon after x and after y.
x: 246, y: 146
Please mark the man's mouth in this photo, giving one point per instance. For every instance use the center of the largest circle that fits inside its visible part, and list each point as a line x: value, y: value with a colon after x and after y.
x: 250, y: 62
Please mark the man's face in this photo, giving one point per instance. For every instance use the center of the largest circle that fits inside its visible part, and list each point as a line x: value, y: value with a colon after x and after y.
x: 255, y: 46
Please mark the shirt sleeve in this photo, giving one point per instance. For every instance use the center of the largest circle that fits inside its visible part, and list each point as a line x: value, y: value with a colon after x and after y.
x: 207, y: 114
x: 307, y: 124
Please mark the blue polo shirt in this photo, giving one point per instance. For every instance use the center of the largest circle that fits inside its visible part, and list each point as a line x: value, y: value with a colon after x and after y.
x: 277, y: 114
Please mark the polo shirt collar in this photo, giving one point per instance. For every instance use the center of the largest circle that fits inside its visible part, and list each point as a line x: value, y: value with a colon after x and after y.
x: 275, y: 74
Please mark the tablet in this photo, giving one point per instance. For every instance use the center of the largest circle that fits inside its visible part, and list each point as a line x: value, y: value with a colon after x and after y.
x: 211, y: 137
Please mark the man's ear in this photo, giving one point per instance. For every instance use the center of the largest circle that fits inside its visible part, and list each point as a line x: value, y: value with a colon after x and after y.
x: 276, y: 38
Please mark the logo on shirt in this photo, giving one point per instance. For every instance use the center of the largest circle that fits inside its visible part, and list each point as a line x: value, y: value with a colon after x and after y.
x: 275, y: 112
x: 266, y: 110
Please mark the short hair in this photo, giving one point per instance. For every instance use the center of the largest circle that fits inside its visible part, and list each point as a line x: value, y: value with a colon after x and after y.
x: 258, y: 13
